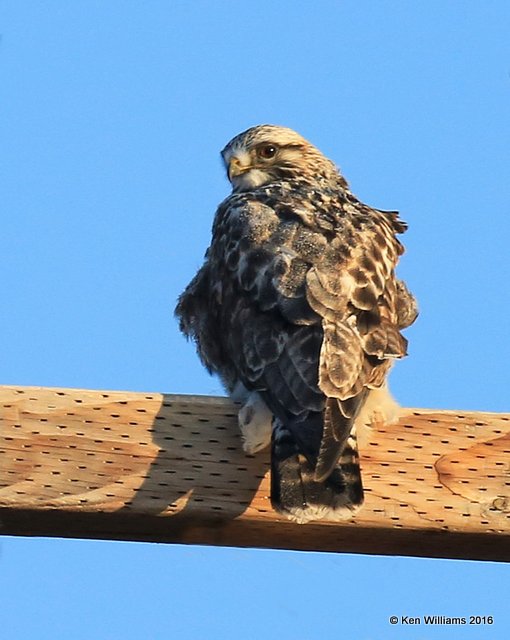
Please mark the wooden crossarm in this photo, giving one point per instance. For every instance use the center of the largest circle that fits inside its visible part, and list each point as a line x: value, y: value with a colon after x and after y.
x: 168, y: 468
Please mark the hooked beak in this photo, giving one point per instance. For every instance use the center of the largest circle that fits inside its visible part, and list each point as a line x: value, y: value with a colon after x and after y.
x: 235, y: 168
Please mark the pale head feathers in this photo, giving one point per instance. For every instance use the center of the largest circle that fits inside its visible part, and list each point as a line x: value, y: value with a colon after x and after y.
x: 269, y: 153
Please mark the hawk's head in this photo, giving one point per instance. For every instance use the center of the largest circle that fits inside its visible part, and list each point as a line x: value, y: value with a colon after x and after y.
x: 269, y: 153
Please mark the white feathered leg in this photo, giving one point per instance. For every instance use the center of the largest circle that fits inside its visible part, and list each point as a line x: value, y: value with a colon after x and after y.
x: 380, y: 408
x: 255, y: 420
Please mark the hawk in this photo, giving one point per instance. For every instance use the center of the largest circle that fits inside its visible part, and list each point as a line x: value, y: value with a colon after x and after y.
x: 298, y: 310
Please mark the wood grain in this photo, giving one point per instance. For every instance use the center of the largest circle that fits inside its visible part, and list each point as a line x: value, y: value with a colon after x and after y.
x: 166, y: 468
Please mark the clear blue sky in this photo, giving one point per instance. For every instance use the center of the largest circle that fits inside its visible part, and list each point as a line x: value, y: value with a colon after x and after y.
x: 112, y: 115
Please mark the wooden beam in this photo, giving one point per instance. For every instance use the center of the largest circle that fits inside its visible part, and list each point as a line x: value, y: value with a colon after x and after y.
x: 166, y: 468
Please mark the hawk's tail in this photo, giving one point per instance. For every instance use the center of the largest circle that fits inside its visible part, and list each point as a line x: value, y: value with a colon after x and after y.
x: 297, y: 493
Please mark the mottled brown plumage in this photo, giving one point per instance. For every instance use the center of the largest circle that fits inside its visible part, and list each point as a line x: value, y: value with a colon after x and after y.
x: 298, y: 310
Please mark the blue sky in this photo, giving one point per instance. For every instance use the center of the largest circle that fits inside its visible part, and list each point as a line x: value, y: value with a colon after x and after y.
x: 112, y: 115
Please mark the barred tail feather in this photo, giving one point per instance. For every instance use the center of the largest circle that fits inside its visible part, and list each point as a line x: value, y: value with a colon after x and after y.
x: 296, y: 493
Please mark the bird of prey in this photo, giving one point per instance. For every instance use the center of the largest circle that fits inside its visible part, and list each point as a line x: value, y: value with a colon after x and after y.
x: 298, y: 310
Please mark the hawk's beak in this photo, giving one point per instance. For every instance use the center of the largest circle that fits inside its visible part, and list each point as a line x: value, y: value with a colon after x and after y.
x: 235, y: 168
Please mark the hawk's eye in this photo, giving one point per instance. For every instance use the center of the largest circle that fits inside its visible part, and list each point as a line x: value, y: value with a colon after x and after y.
x: 267, y: 151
